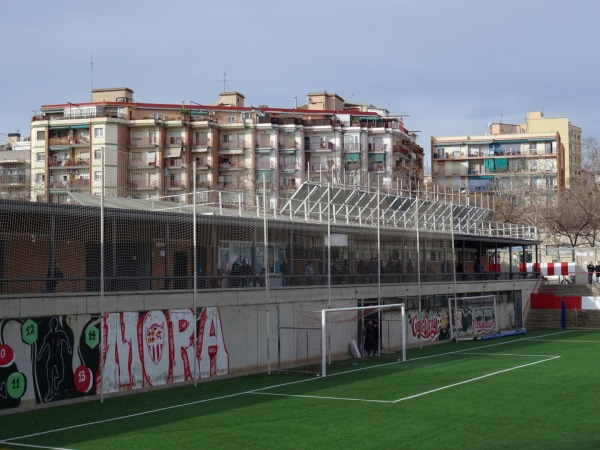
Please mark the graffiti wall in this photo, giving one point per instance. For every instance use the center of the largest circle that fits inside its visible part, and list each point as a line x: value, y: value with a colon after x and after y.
x: 429, y: 325
x: 56, y: 358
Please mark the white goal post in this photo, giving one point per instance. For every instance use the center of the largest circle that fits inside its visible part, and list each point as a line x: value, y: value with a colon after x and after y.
x: 472, y: 318
x: 391, y: 333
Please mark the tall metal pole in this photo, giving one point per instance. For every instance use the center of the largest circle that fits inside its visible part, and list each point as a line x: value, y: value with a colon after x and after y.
x: 195, y: 240
x: 418, y: 264
x: 329, y: 245
x: 102, y: 318
x: 266, y: 267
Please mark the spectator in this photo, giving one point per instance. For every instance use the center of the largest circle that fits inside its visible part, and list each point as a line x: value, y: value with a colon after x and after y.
x: 370, y: 337
x: 261, y: 277
x: 310, y: 273
x: 597, y: 272
x: 285, y: 272
x: 53, y: 275
x: 590, y: 270
x: 477, y: 267
x: 460, y: 268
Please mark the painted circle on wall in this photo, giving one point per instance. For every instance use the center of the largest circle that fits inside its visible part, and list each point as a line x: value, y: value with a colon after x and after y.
x: 16, y: 384
x: 7, y: 355
x: 83, y: 379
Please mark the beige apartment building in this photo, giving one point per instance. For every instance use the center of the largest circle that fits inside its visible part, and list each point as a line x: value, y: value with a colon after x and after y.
x: 541, y: 153
x: 145, y: 150
x: 14, y: 167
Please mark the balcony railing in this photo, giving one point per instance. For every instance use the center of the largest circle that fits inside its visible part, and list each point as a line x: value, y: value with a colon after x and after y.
x: 352, y: 147
x: 288, y: 145
x: 326, y: 146
x: 53, y: 162
x: 144, y: 142
x: 65, y: 141
x: 142, y: 184
x: 376, y: 167
x: 201, y: 143
x: 73, y: 184
x: 175, y: 141
x: 230, y: 145
x: 265, y: 144
x: 232, y: 166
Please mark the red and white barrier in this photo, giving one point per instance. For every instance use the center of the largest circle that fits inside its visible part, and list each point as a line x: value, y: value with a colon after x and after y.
x: 550, y: 269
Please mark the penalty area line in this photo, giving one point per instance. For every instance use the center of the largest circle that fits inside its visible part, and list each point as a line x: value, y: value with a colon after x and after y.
x: 432, y: 391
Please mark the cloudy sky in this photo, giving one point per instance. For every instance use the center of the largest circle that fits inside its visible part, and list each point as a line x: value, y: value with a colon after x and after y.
x: 450, y: 66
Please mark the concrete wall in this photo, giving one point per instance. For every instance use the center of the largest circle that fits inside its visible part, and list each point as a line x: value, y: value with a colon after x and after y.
x: 58, y: 347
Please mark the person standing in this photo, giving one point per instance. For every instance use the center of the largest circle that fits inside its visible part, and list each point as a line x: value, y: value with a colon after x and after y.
x: 597, y: 272
x: 370, y: 338
x: 310, y: 273
x: 590, y: 272
x: 285, y: 272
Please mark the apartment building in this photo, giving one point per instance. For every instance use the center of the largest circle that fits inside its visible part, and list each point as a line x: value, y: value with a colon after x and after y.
x: 541, y: 153
x: 14, y: 167
x: 144, y: 150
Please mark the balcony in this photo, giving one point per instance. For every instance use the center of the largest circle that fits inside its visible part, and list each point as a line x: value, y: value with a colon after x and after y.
x: 142, y: 185
x: 69, y: 162
x: 323, y: 146
x: 232, y: 147
x: 201, y: 145
x: 265, y: 144
x: 68, y: 141
x: 231, y: 166
x: 352, y: 147
x: 73, y: 184
x: 376, y: 167
x: 288, y: 145
x: 288, y: 167
x: 175, y: 141
x: 174, y: 185
x: 146, y: 142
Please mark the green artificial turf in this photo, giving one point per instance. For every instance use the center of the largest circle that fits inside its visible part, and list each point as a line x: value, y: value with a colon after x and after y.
x: 538, y: 390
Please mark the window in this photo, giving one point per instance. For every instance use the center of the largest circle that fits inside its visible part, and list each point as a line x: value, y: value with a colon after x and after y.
x: 136, y: 156
x: 40, y: 177
x: 41, y: 135
x: 227, y: 138
x: 97, y: 175
x: 231, y: 119
x: 40, y: 156
x: 98, y: 132
x: 97, y: 154
x: 136, y: 136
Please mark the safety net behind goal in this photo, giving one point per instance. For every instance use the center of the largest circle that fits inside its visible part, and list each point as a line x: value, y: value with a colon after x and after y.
x: 340, y: 336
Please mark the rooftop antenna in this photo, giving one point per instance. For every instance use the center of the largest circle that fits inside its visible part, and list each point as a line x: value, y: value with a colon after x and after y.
x: 225, y: 80
x: 91, y: 75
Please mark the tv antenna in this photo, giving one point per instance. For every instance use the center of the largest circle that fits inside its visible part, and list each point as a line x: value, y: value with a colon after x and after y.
x: 225, y: 80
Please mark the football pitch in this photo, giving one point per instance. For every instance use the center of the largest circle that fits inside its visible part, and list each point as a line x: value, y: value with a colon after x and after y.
x: 537, y: 390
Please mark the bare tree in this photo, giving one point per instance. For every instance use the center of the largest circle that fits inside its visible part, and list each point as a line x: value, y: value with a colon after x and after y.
x: 573, y: 218
x: 591, y: 155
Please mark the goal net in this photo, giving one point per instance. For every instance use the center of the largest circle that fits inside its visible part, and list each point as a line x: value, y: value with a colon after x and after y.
x: 334, y: 336
x: 476, y: 317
